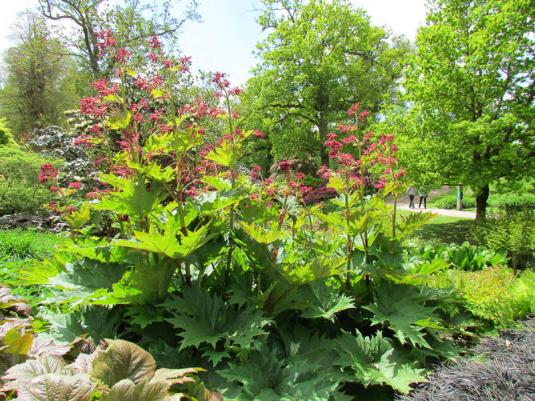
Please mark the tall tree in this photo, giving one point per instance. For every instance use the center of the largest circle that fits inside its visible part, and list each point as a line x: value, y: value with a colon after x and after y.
x: 319, y: 58
x: 40, y: 79
x: 132, y: 21
x: 471, y: 91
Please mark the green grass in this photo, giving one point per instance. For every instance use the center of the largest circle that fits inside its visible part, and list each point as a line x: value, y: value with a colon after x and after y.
x: 446, y: 229
x: 27, y: 244
x: 19, y: 248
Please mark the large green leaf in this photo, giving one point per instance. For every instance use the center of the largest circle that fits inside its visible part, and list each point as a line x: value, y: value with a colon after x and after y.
x: 205, y: 320
x: 323, y: 301
x: 300, y: 371
x: 402, y: 309
x: 134, y: 197
x: 171, y: 242
x: 374, y: 361
x: 122, y: 360
x: 119, y: 120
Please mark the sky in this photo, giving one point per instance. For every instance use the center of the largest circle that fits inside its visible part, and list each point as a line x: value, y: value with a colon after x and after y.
x: 226, y: 38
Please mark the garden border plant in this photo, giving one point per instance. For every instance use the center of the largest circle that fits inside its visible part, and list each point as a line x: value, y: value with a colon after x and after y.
x: 181, y: 252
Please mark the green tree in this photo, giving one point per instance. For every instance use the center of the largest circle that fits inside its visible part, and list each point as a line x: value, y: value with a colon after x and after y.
x: 471, y: 90
x: 319, y: 58
x: 40, y: 78
x: 132, y: 21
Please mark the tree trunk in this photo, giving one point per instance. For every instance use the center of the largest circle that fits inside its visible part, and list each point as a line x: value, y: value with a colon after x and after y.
x: 482, y: 195
x: 324, y: 155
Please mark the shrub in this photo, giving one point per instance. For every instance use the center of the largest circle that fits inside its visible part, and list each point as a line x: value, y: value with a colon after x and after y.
x: 6, y: 137
x: 513, y: 201
x: 279, y: 300
x: 511, y: 231
x: 496, y: 295
x: 56, y: 143
x: 449, y: 201
x: 19, y: 186
x: 465, y: 256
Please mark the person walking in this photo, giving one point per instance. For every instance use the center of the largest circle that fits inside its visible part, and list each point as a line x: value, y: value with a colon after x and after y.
x: 423, y: 198
x: 412, y: 193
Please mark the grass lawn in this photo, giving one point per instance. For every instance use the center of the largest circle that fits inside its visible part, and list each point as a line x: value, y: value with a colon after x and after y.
x: 445, y: 229
x: 19, y: 248
x: 27, y: 244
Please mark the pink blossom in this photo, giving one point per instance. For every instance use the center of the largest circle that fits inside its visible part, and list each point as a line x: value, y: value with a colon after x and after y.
x: 254, y: 172
x: 154, y: 42
x: 346, y: 159
x: 122, y: 55
x: 363, y: 115
x: 75, y: 185
x: 285, y: 165
x: 349, y: 139
x: 259, y: 134
x: 47, y: 172
x: 353, y: 109
x: 324, y: 172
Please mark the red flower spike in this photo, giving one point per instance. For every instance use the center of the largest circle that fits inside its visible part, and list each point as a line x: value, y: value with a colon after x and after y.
x: 353, y: 109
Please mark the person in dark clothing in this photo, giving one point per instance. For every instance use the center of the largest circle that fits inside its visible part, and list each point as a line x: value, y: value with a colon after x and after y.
x: 423, y: 198
x: 412, y: 193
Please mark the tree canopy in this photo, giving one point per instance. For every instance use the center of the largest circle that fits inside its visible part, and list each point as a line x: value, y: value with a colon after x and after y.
x: 132, y: 22
x: 318, y: 58
x: 40, y: 78
x: 470, y: 90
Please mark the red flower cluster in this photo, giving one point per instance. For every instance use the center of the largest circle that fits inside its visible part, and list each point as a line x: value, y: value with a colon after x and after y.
x: 105, y: 40
x: 93, y: 106
x: 47, y: 172
x: 353, y: 109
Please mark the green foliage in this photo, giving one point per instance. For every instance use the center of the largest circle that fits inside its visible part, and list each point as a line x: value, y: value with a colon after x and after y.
x: 186, y: 252
x: 407, y: 319
x: 470, y: 117
x: 20, y: 190
x: 495, y: 295
x: 40, y: 78
x: 302, y: 367
x: 27, y: 244
x: 512, y: 232
x: 6, y: 137
x: 217, y: 328
x: 319, y: 58
x: 465, y: 256
x: 375, y: 361
x: 510, y: 201
x: 449, y: 201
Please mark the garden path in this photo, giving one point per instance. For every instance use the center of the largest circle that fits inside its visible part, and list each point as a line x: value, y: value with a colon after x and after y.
x: 442, y: 212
